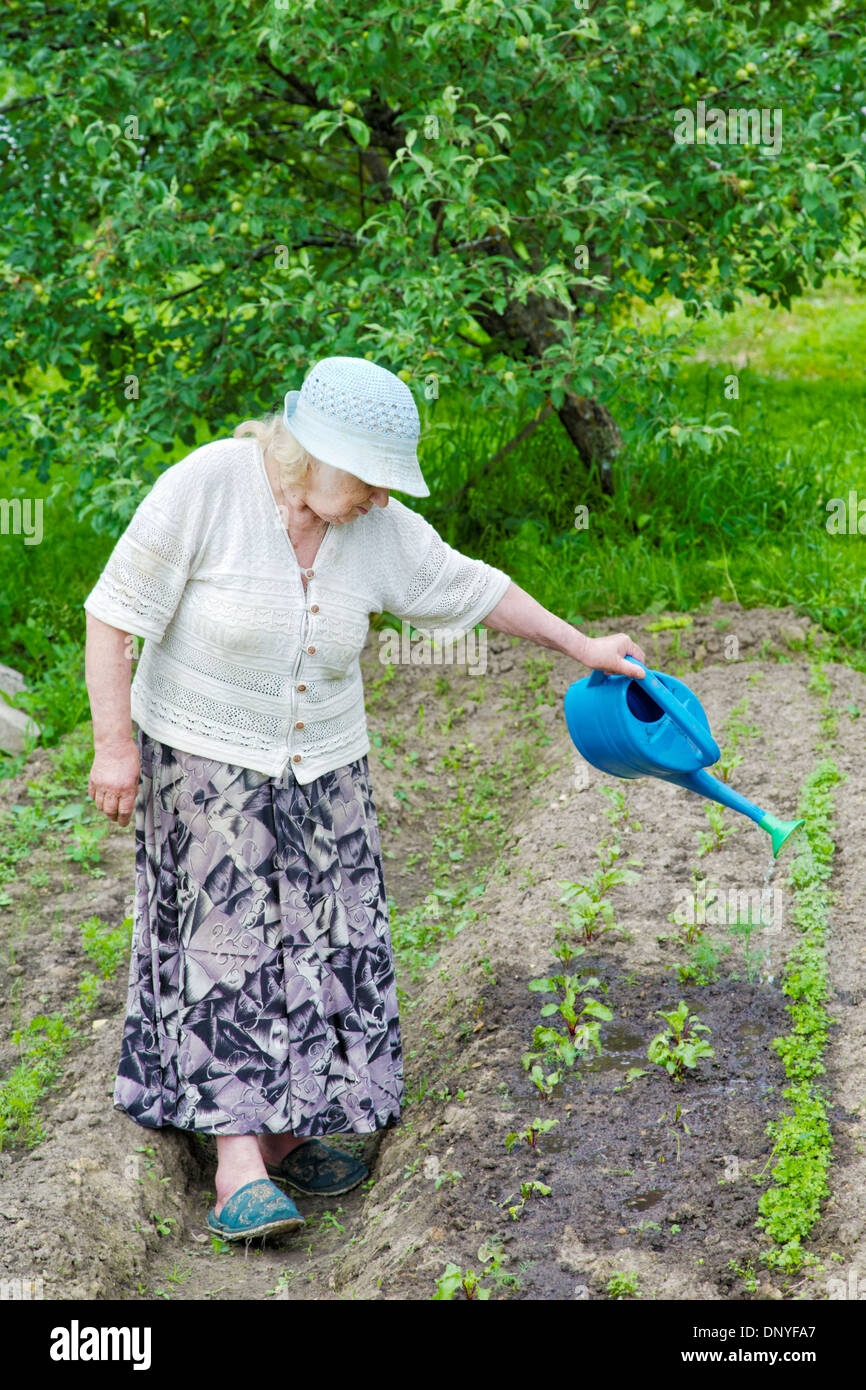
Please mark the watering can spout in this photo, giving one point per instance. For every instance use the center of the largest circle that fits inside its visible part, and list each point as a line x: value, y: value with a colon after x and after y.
x: 779, y: 830
x: 710, y: 787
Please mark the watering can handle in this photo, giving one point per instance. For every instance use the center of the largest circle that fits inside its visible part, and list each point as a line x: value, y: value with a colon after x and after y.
x: 677, y: 711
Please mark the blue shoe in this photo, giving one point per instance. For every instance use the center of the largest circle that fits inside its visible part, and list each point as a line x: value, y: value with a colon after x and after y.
x: 258, y: 1209
x: 317, y: 1170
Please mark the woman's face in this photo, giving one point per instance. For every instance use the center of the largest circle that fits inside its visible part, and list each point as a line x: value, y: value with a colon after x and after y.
x: 338, y: 497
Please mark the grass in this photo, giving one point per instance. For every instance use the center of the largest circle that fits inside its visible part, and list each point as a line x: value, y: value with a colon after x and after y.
x: 46, y: 1039
x: 56, y: 811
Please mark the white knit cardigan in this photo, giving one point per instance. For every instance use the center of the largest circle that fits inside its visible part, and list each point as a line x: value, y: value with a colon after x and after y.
x: 240, y: 663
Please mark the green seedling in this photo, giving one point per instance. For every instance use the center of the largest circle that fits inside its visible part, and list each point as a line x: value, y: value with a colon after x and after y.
x: 544, y: 1083
x: 677, y: 1047
x: 529, y: 1134
x: 670, y: 624
x: 718, y: 832
x: 792, y: 1203
x: 563, y: 951
x: 588, y: 910
x: 526, y: 1191
x: 452, y: 1177
x: 623, y: 1285
x: 455, y: 1281
x: 745, y: 927
x: 702, y: 968
x: 672, y: 1127
x: 631, y: 1075
x: 746, y: 1273
x: 581, y: 1024
x: 492, y: 1256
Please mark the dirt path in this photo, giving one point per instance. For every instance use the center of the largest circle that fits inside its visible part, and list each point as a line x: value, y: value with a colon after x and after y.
x: 102, y: 1209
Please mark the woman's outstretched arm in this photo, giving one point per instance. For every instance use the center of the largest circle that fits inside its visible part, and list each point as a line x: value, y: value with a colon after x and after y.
x: 520, y: 615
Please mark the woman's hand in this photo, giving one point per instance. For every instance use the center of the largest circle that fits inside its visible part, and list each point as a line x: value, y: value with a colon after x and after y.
x: 608, y: 654
x: 113, y: 781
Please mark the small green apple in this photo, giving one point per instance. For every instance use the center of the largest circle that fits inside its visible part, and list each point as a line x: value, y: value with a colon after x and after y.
x: 159, y: 103
x: 522, y: 44
x: 674, y: 431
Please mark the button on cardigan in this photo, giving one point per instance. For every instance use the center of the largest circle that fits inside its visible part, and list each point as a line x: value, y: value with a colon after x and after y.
x: 239, y: 663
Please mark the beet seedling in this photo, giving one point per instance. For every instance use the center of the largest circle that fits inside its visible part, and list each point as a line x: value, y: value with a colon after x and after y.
x: 454, y: 1280
x: 586, y: 902
x: 719, y: 831
x: 530, y: 1134
x: 526, y: 1191
x: 581, y: 1023
x: 545, y: 1084
x: 677, y: 1047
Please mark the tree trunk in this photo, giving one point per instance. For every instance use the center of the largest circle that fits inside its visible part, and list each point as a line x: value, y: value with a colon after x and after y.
x: 588, y: 423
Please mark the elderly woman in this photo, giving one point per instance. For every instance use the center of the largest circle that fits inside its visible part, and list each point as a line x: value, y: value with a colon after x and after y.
x: 262, y: 1005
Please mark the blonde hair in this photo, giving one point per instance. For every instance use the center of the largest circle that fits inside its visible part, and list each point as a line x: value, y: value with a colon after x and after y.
x: 278, y: 443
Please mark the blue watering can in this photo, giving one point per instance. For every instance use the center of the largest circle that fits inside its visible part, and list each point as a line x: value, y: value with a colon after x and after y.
x: 655, y: 727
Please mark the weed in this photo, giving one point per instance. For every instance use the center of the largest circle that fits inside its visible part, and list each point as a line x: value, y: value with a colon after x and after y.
x: 623, y: 1285
x: 702, y: 966
x: 746, y: 1273
x: 329, y: 1218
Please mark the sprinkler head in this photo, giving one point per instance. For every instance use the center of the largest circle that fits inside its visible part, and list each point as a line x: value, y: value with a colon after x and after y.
x: 778, y: 830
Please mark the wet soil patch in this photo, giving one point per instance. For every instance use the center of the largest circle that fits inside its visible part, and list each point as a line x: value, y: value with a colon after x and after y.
x: 625, y: 1174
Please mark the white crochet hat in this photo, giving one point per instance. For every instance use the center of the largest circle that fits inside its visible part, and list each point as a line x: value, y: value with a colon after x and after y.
x: 362, y: 418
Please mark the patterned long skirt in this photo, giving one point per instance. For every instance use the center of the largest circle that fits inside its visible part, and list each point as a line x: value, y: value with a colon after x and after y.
x: 261, y: 992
